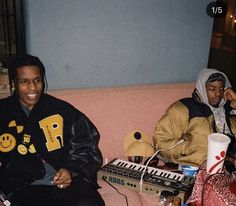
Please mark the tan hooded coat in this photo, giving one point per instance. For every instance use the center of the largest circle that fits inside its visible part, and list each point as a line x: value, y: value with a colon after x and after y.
x: 192, y: 117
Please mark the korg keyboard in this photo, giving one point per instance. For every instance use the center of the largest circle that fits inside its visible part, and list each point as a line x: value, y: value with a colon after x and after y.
x: 128, y: 174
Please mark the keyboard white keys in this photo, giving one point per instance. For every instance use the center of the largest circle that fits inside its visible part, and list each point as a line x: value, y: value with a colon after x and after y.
x: 150, y: 170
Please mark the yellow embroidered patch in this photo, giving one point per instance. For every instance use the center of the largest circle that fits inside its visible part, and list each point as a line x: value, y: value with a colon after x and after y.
x: 7, y: 142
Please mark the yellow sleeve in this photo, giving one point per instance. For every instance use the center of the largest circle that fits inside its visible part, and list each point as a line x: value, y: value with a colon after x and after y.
x: 171, y: 126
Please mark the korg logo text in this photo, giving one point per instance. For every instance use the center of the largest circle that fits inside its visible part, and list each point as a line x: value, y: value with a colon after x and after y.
x: 116, y: 180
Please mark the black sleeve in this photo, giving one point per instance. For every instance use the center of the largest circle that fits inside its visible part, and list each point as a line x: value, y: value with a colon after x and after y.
x: 84, y: 157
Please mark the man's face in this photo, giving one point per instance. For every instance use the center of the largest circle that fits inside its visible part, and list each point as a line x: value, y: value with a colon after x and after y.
x: 29, y: 85
x: 215, y: 92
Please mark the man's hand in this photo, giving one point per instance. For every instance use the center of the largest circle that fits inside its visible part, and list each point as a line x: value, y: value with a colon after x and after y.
x: 229, y: 94
x: 62, y: 178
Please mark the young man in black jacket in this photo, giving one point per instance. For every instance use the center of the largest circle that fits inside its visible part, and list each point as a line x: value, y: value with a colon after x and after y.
x: 48, y: 149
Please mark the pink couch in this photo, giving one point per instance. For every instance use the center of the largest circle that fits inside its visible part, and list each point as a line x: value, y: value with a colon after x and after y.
x: 118, y: 110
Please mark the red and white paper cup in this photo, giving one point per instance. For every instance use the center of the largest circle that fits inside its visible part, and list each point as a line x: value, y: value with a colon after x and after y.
x: 217, y: 149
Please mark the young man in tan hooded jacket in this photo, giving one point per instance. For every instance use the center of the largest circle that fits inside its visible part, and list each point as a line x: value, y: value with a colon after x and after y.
x: 212, y: 108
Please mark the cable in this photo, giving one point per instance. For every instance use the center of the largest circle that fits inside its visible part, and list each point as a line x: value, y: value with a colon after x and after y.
x: 160, y: 150
x: 126, y: 199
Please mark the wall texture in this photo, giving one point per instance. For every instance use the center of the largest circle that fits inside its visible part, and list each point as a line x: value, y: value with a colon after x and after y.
x: 100, y: 43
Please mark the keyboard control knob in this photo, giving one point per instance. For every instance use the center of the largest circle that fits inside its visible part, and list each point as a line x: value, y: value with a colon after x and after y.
x: 167, y: 183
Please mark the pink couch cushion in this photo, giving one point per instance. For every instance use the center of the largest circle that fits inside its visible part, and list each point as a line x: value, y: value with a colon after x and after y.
x: 118, y: 110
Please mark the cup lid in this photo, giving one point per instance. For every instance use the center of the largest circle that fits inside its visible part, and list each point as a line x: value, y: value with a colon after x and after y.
x: 218, y: 137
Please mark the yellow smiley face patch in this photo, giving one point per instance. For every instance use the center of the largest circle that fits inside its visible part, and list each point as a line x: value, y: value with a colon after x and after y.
x: 7, y: 142
x: 22, y: 149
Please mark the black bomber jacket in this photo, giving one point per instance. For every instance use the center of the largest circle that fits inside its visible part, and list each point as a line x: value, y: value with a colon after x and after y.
x: 55, y: 132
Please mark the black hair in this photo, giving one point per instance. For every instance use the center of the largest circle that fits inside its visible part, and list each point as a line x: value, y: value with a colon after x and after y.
x: 25, y: 60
